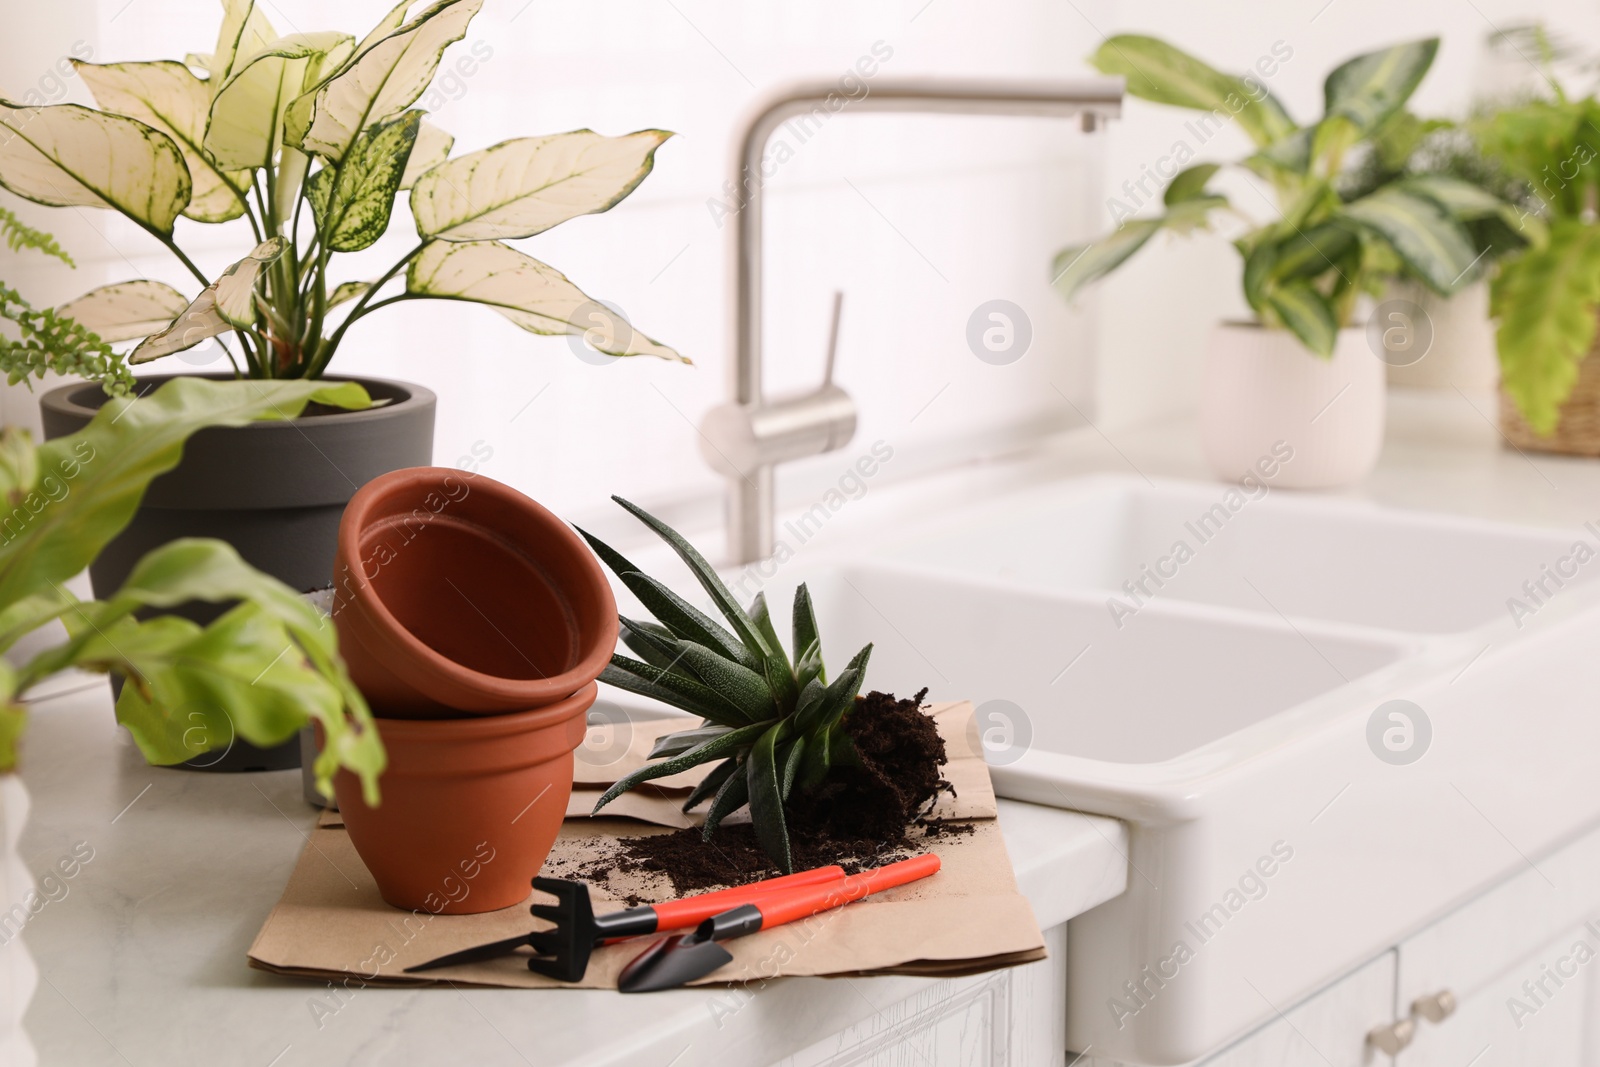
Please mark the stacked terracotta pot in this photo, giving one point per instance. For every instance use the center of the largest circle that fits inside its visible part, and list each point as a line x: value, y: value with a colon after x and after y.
x: 475, y: 622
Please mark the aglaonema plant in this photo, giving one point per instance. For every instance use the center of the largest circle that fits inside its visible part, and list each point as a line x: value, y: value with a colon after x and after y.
x: 1331, y: 240
x: 260, y: 672
x: 309, y: 139
x: 771, y: 724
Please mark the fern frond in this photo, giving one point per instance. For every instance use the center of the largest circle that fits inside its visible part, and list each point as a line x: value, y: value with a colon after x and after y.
x: 19, y: 235
x: 48, y: 341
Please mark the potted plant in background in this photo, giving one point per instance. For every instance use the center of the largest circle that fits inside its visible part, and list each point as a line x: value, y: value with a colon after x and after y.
x: 1301, y: 374
x: 302, y: 144
x: 259, y: 672
x: 1546, y: 298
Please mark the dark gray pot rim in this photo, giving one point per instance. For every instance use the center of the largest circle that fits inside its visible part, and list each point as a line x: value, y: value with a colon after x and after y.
x: 70, y: 399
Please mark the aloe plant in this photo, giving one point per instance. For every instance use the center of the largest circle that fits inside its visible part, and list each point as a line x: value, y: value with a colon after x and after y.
x: 261, y: 671
x: 309, y: 139
x: 775, y: 724
x: 1305, y: 269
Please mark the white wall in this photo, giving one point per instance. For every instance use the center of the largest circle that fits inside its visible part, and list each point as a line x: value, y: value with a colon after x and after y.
x: 919, y: 220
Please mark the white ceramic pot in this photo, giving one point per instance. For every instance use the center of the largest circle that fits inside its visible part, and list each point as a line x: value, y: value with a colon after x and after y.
x: 1272, y: 410
x: 18, y: 976
x: 1461, y: 346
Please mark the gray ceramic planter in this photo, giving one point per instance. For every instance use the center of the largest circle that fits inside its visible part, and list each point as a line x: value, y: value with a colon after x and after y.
x: 273, y: 490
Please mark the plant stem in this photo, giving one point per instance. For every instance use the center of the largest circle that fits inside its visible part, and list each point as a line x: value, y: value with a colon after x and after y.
x: 326, y: 349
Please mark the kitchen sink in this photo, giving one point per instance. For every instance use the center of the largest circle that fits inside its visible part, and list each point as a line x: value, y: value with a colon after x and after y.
x: 1234, y: 700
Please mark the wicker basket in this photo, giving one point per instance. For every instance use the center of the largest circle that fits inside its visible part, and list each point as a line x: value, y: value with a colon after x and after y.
x: 1578, y: 431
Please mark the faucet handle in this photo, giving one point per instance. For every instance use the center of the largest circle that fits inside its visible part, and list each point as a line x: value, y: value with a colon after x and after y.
x: 833, y: 338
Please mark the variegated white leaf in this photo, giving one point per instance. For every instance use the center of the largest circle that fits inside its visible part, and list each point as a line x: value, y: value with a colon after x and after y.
x: 244, y: 30
x: 386, y: 25
x: 523, y: 187
x: 352, y: 200
x: 70, y: 156
x: 432, y: 148
x: 168, y: 97
x: 247, y: 112
x: 227, y: 303
x: 346, y: 292
x: 126, y: 310
x: 534, y: 295
x: 382, y: 81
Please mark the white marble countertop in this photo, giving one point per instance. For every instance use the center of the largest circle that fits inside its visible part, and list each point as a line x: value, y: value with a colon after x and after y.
x: 142, y: 953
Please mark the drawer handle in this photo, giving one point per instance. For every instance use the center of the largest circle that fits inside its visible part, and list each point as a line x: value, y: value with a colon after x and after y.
x: 1390, y: 1038
x: 1435, y: 1007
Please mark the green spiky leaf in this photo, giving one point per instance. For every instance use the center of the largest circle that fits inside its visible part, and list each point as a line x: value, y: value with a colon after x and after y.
x: 733, y: 794
x: 705, y: 752
x: 672, y: 688
x: 711, y: 783
x: 684, y: 740
x: 766, y: 798
x: 807, y: 641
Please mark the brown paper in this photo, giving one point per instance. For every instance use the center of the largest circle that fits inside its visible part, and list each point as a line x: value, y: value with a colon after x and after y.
x: 331, y: 924
x: 660, y: 800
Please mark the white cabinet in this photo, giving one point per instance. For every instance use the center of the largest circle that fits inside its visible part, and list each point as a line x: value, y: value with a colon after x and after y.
x: 1011, y: 1018
x: 1328, y: 1029
x: 1522, y: 963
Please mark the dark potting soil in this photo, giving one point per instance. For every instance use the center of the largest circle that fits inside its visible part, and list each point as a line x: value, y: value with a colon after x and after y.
x: 862, y: 817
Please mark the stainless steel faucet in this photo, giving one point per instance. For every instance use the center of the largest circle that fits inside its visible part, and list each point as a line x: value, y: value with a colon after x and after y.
x: 747, y: 437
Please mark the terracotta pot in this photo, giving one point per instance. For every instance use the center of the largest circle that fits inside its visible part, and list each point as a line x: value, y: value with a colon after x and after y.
x: 455, y: 594
x: 1269, y: 409
x: 470, y: 807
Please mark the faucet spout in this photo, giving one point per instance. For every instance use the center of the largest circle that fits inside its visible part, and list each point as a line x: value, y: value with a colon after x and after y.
x: 745, y: 438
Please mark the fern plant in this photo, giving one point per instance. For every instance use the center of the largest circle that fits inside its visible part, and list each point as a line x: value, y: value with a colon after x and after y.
x: 775, y: 724
x: 50, y: 339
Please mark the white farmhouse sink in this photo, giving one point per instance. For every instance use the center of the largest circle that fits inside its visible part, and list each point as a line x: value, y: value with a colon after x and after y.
x: 1226, y: 719
x: 1224, y: 714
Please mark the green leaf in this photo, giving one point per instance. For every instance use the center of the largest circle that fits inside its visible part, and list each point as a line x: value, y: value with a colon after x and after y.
x: 619, y: 564
x: 707, y: 577
x: 670, y: 687
x: 779, y: 675
x: 1310, y: 252
x: 1189, y: 183
x: 1370, y: 88
x: 807, y: 640
x: 352, y: 201
x: 654, y: 644
x: 791, y: 766
x: 247, y: 112
x: 107, y: 465
x: 226, y: 304
x: 525, y: 186
x: 684, y: 740
x: 1289, y: 155
x: 1075, y: 267
x: 1433, y: 245
x: 1159, y: 72
x: 13, y: 722
x: 534, y: 295
x: 730, y: 797
x: 836, y: 700
x: 686, y: 621
x: 816, y: 762
x: 715, y: 748
x: 1546, y: 300
x: 711, y: 783
x: 127, y: 310
x: 381, y: 81
x: 743, y: 688
x: 1307, y: 314
x: 70, y: 156
x: 766, y: 799
x: 167, y: 96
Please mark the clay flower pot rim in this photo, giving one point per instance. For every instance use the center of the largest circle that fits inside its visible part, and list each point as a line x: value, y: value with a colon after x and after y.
x: 483, y: 727
x: 534, y: 691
